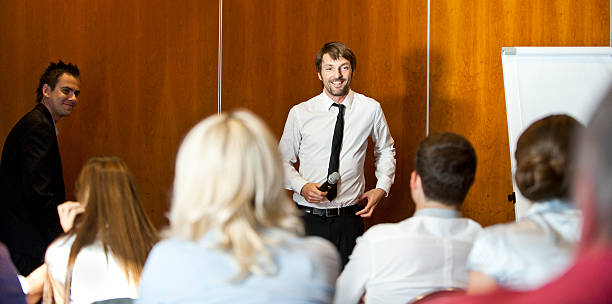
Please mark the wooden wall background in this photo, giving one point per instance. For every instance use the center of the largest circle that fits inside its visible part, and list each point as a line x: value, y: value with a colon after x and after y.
x: 467, y: 88
x: 269, y: 50
x: 149, y: 73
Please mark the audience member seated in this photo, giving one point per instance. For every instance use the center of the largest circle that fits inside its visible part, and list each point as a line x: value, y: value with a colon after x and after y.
x: 233, y: 229
x: 538, y: 248
x: 394, y: 263
x: 10, y: 288
x: 102, y: 255
x: 590, y: 277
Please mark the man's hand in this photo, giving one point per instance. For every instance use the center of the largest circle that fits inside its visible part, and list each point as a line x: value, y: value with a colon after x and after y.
x: 372, y: 197
x: 312, y: 194
x: 67, y: 213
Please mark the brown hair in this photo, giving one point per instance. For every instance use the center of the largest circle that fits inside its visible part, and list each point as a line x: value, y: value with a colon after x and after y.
x: 113, y: 215
x: 335, y: 50
x: 543, y: 157
x: 446, y: 163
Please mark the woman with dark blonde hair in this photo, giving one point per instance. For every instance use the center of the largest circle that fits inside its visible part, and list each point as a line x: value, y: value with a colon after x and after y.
x: 539, y: 247
x: 234, y: 234
x: 103, y: 254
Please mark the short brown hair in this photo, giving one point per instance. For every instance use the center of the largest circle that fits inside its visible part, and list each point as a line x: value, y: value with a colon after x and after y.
x: 335, y: 50
x: 446, y: 163
x: 543, y: 157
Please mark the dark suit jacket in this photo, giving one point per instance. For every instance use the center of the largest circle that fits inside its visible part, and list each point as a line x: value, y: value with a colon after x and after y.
x: 31, y: 187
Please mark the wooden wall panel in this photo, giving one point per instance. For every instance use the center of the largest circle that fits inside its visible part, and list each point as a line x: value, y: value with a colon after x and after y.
x: 148, y: 74
x: 268, y: 66
x: 467, y: 91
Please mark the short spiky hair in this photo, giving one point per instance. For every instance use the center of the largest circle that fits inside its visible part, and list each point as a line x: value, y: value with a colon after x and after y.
x: 446, y: 163
x: 52, y: 73
x: 335, y: 50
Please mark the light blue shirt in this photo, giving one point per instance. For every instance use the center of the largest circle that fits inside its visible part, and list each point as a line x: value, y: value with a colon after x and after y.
x: 179, y: 271
x: 438, y: 212
x: 531, y: 252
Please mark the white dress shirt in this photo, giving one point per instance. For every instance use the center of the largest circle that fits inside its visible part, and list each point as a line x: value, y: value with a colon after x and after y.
x: 528, y: 254
x: 95, y: 275
x: 394, y: 263
x: 307, y: 137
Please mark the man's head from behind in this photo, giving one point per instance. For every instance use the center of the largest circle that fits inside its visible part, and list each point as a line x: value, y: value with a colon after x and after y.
x: 593, y: 177
x: 59, y: 88
x: 445, y: 168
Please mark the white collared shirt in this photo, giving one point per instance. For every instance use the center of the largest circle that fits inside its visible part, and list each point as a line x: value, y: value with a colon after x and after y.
x: 307, y: 137
x: 527, y: 254
x: 96, y: 275
x: 394, y: 263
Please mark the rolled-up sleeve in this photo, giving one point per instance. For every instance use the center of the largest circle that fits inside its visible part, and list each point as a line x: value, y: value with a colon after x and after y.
x: 384, y: 152
x: 289, y: 148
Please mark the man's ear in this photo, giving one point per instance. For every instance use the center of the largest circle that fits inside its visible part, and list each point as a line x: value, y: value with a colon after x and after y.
x: 46, y: 90
x: 320, y: 78
x: 416, y: 190
x: 415, y: 181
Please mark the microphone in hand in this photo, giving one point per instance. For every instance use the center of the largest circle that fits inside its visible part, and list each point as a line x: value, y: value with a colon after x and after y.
x: 332, y: 179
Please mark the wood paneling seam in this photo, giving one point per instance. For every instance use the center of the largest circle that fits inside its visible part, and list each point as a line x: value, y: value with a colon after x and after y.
x: 428, y: 36
x: 220, y: 57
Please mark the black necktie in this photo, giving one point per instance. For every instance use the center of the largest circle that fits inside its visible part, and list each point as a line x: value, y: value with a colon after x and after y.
x: 334, y: 159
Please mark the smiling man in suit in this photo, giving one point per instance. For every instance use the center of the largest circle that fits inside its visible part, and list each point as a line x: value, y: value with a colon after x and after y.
x: 31, y: 179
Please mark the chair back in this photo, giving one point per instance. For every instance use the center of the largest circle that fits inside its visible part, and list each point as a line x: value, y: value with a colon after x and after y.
x: 437, y: 294
x: 115, y: 301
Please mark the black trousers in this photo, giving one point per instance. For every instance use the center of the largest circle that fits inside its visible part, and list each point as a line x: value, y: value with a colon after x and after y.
x: 342, y: 231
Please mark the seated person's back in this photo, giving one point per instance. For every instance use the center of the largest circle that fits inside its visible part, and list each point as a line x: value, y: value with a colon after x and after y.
x: 234, y: 232
x: 114, y: 219
x: 95, y: 276
x: 394, y: 263
x: 198, y: 272
x: 529, y: 253
x: 539, y: 247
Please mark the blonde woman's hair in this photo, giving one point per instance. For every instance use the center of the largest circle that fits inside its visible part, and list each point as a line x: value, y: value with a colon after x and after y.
x: 229, y: 178
x: 113, y: 215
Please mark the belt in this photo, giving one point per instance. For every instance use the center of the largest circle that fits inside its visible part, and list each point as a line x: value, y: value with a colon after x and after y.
x: 331, y: 212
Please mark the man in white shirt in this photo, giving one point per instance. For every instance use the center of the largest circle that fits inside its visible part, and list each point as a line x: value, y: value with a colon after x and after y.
x: 394, y: 263
x: 329, y: 133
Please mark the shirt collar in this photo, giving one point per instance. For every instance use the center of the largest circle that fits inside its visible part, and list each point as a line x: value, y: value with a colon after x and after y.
x: 55, y: 127
x: 48, y: 114
x: 553, y: 205
x: 347, y: 102
x: 438, y: 212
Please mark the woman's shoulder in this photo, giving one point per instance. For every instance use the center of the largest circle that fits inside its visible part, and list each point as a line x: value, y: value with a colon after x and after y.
x: 60, y: 247
x: 307, y: 244
x: 173, y: 247
x: 310, y: 250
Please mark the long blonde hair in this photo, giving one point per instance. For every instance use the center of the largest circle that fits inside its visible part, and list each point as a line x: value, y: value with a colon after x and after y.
x: 229, y: 178
x: 113, y: 215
